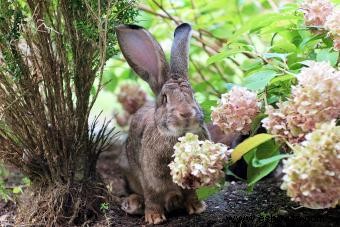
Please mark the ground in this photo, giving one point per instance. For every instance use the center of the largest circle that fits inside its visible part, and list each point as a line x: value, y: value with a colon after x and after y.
x: 267, y: 205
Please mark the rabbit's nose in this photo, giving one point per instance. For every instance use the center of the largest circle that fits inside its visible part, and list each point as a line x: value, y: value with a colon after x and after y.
x: 185, y: 115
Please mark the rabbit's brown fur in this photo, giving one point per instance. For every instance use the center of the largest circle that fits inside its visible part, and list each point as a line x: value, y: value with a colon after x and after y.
x: 155, y: 127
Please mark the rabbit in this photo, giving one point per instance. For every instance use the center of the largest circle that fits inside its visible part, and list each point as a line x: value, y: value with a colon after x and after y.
x: 156, y: 126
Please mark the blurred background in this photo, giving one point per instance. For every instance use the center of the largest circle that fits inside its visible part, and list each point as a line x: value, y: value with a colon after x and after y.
x: 234, y: 42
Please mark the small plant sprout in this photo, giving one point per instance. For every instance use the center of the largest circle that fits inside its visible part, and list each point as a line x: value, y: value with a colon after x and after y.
x: 104, y: 207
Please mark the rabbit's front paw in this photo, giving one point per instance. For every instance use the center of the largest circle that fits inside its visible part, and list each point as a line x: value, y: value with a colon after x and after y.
x: 195, y: 207
x: 173, y: 201
x: 134, y: 204
x: 154, y: 217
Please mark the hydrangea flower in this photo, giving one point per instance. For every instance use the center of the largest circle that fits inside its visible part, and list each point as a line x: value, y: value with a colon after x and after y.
x: 333, y: 26
x: 236, y: 110
x: 316, y: 11
x: 317, y: 95
x: 312, y: 174
x: 198, y: 163
x: 284, y: 122
x: 333, y: 22
x: 336, y: 43
x: 131, y: 97
x: 315, y: 99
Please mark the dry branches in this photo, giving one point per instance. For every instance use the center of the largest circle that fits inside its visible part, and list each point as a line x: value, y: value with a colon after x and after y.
x: 51, y: 53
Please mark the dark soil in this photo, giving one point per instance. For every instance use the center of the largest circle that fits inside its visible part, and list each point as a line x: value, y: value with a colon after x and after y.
x: 267, y: 205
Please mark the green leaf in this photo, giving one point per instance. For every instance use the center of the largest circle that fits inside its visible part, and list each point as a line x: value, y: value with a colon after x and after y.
x: 26, y: 181
x: 110, y: 80
x: 283, y: 46
x: 248, y: 157
x: 259, y: 80
x: 17, y: 190
x: 223, y: 55
x: 206, y: 107
x: 250, y: 64
x: 264, y: 151
x: 328, y: 56
x: 283, y: 78
x: 309, y: 39
x: 273, y: 99
x: 262, y: 162
x: 258, y: 22
x: 249, y: 144
x: 255, y: 125
x: 282, y: 57
x: 205, y: 192
x: 230, y: 173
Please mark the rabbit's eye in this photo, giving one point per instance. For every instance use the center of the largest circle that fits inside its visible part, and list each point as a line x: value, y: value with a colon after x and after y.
x: 164, y: 99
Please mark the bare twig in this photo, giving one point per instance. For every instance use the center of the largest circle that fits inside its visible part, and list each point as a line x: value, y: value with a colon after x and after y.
x: 200, y: 73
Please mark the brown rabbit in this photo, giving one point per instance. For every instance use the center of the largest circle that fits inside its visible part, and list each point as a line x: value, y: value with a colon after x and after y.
x: 155, y: 127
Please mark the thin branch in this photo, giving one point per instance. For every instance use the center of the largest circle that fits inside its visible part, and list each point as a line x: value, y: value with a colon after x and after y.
x: 200, y: 73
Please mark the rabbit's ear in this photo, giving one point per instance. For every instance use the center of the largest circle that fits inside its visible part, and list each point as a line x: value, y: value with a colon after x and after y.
x: 180, y: 51
x: 144, y: 55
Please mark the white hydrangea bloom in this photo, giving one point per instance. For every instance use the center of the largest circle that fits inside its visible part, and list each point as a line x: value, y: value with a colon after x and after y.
x: 236, y: 110
x: 312, y: 174
x: 198, y: 163
x: 317, y: 93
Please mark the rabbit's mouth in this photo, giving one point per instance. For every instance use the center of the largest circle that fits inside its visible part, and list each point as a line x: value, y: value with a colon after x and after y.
x: 176, y: 129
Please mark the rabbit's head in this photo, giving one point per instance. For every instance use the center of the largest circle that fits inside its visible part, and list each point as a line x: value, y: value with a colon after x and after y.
x: 177, y: 111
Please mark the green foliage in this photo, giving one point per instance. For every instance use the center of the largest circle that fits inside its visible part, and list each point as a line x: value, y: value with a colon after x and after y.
x: 9, y: 193
x: 261, y: 161
x: 104, y: 207
x: 205, y: 192
x: 4, y: 192
x: 258, y: 80
x: 261, y: 154
x: 248, y: 145
x: 235, y: 42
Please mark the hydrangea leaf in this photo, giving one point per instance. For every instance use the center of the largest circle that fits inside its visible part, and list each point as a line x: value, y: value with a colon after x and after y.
x: 265, y: 161
x: 263, y: 152
x: 328, y: 56
x: 248, y: 145
x: 205, y: 192
x: 259, y: 80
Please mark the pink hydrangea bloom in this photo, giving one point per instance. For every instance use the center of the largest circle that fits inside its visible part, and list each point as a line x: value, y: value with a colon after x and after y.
x: 236, y: 110
x: 333, y: 26
x: 284, y: 122
x: 336, y: 43
x: 316, y: 11
x: 315, y: 99
x: 312, y: 174
x: 132, y: 97
x: 333, y: 22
